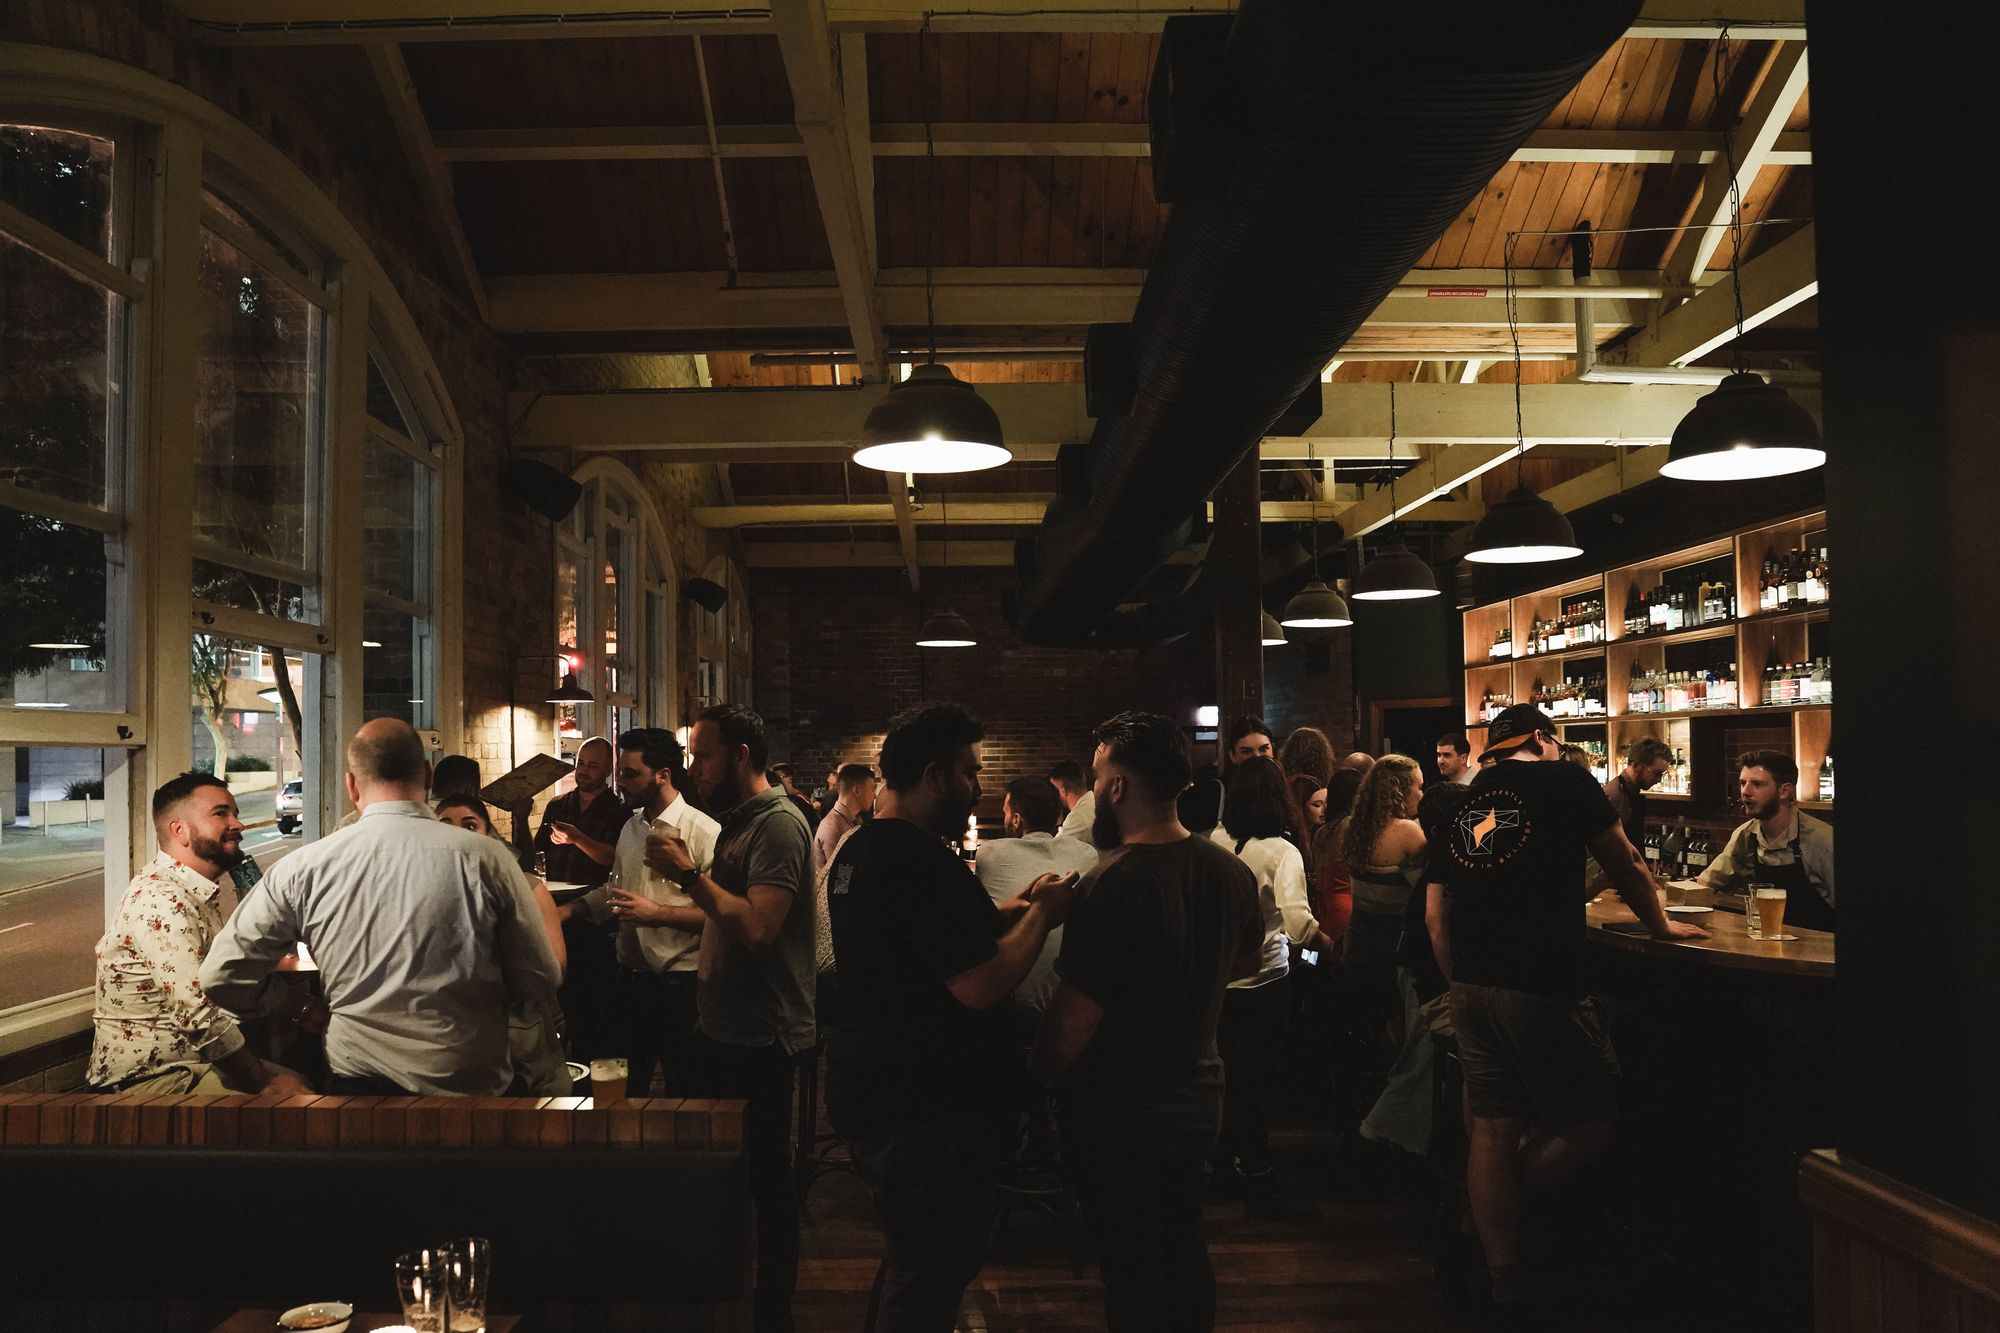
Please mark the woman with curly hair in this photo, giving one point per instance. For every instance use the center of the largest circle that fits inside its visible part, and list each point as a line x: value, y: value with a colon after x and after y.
x: 1307, y: 751
x: 1258, y: 824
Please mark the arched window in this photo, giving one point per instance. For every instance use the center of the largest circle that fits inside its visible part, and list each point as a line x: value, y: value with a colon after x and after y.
x: 226, y: 464
x: 616, y: 593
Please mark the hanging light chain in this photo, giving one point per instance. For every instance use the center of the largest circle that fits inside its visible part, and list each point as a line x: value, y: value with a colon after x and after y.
x: 1514, y: 336
x: 1736, y: 360
x: 924, y: 39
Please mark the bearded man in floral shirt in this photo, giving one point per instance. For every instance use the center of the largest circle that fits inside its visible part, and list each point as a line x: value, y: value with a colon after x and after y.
x: 156, y: 1031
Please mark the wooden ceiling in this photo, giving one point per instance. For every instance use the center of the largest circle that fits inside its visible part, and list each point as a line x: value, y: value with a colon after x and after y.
x: 667, y: 177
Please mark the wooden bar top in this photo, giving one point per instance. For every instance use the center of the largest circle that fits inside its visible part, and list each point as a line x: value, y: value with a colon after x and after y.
x: 1728, y: 945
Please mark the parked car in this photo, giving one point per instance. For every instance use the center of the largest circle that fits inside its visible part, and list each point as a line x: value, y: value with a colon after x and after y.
x: 291, y: 806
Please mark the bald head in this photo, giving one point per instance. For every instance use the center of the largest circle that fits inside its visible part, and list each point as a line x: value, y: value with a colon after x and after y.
x: 385, y: 762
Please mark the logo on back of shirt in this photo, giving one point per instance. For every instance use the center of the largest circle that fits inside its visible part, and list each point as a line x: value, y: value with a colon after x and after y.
x: 1489, y: 829
x: 843, y: 876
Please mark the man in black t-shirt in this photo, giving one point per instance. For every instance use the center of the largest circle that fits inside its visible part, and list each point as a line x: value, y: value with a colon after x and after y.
x: 1510, y: 934
x: 1162, y: 924
x: 922, y: 1079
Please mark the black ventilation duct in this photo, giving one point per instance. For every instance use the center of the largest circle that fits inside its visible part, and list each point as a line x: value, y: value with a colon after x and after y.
x: 1343, y: 141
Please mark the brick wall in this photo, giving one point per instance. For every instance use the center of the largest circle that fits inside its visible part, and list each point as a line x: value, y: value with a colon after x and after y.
x: 319, y: 107
x: 835, y: 661
x: 1310, y: 683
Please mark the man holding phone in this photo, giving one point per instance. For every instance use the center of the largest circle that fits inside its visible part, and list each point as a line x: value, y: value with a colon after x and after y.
x: 922, y: 1077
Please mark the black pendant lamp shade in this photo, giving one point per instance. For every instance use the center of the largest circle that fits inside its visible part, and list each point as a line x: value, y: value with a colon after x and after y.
x: 1745, y: 428
x: 1316, y: 607
x: 1522, y: 529
x: 946, y: 629
x: 932, y: 422
x: 569, y: 692
x: 1273, y: 633
x: 1396, y: 574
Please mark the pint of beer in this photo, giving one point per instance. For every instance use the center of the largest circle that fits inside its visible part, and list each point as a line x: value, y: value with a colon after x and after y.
x: 1770, y: 904
x: 607, y: 1080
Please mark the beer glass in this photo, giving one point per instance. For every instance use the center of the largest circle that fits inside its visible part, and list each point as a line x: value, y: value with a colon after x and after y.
x: 1769, y: 901
x: 420, y: 1286
x: 468, y: 1278
x: 607, y: 1082
x: 1751, y: 925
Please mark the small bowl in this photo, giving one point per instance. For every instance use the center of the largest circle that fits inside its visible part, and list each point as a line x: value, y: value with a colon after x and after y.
x: 335, y: 1315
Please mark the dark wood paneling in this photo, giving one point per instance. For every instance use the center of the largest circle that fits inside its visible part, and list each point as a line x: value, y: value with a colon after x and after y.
x: 578, y: 82
x: 591, y: 217
x: 774, y: 215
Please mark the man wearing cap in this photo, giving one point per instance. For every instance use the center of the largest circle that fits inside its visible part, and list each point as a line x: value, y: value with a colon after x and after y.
x: 1506, y: 877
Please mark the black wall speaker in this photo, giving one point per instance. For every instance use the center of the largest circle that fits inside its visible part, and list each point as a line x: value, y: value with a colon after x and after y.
x: 705, y: 593
x: 542, y: 488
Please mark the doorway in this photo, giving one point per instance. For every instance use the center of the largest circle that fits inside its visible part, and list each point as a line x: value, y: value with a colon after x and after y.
x: 1412, y: 727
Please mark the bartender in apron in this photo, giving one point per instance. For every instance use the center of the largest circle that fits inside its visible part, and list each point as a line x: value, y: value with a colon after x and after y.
x: 1779, y: 845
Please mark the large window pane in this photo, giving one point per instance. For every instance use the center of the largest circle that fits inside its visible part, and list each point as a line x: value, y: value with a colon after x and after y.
x: 251, y: 707
x: 61, y: 396
x: 61, y: 179
x: 398, y: 672
x: 258, y: 412
x: 52, y: 820
x: 53, y: 644
x: 608, y: 607
x: 397, y: 525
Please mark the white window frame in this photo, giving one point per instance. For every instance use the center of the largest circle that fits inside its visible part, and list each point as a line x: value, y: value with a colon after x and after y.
x: 170, y: 142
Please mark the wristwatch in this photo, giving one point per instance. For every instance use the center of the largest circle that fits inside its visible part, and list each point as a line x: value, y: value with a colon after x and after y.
x: 686, y: 878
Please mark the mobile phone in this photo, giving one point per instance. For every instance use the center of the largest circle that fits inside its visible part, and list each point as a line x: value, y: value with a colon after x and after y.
x: 1310, y: 957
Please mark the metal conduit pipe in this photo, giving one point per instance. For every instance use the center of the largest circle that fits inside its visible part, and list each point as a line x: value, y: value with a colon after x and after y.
x: 1363, y: 134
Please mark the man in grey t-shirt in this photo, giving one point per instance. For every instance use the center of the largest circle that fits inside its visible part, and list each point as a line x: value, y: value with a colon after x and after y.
x: 754, y: 999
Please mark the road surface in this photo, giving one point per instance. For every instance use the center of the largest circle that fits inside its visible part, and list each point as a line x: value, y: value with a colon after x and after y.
x: 48, y: 933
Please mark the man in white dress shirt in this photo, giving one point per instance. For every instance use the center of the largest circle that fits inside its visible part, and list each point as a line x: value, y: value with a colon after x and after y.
x: 1029, y: 814
x: 659, y: 927
x: 1072, y: 787
x: 423, y: 934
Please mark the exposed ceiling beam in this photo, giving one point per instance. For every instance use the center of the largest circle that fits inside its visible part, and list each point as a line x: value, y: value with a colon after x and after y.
x: 1441, y: 469
x: 984, y: 139
x: 399, y: 95
x: 854, y: 101
x: 1775, y: 281
x: 874, y: 555
x: 1025, y: 297
x: 294, y: 22
x: 773, y: 425
x: 1632, y: 467
x: 806, y: 45
x: 1752, y: 141
x: 1026, y: 511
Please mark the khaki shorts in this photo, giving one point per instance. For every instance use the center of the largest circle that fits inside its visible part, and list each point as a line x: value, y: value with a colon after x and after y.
x: 1530, y: 1056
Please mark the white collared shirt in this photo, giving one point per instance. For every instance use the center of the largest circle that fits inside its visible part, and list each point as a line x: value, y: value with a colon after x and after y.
x: 659, y: 948
x: 423, y: 933
x: 1077, y: 823
x: 151, y: 1012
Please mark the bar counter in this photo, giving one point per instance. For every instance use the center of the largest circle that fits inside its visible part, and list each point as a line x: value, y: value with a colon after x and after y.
x: 1729, y: 944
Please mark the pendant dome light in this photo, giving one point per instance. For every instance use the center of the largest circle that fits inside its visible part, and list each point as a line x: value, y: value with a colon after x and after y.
x: 1316, y: 606
x: 946, y: 628
x: 1274, y: 633
x: 1395, y: 574
x: 1523, y: 528
x: 1747, y: 427
x: 933, y: 421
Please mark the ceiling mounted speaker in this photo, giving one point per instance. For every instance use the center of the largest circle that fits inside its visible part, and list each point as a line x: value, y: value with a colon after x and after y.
x: 705, y: 593
x: 540, y: 487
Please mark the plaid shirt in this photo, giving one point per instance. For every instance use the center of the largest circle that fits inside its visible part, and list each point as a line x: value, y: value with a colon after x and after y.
x: 151, y: 1013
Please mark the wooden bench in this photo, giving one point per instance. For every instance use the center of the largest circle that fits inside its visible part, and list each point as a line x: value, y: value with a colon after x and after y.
x: 632, y: 1214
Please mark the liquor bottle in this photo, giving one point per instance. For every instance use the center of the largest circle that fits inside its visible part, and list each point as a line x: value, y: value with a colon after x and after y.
x: 1653, y: 848
x: 1767, y: 588
x: 1809, y: 577
x: 1698, y: 855
x: 1826, y: 776
x: 1672, y: 847
x: 1790, y: 597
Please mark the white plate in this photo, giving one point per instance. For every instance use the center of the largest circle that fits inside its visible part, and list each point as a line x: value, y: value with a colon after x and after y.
x: 340, y: 1311
x: 1686, y: 909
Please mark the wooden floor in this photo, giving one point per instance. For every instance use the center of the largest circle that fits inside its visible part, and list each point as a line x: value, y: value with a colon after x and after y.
x: 1361, y: 1268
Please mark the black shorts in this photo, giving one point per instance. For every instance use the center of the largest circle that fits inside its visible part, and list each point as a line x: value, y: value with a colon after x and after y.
x: 1528, y: 1055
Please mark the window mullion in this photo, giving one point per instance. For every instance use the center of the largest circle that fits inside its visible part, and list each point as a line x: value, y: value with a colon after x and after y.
x: 61, y: 251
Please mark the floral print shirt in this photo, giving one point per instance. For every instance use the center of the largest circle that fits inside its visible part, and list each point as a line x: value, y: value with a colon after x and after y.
x: 151, y: 1013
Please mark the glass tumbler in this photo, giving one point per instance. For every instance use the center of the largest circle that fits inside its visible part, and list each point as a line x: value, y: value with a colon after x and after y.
x: 421, y: 1280
x: 468, y: 1279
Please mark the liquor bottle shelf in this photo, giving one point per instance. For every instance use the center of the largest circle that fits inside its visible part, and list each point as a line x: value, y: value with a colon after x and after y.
x: 1715, y: 629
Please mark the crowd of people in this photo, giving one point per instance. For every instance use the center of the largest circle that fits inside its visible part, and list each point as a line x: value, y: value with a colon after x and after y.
x: 1121, y: 967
